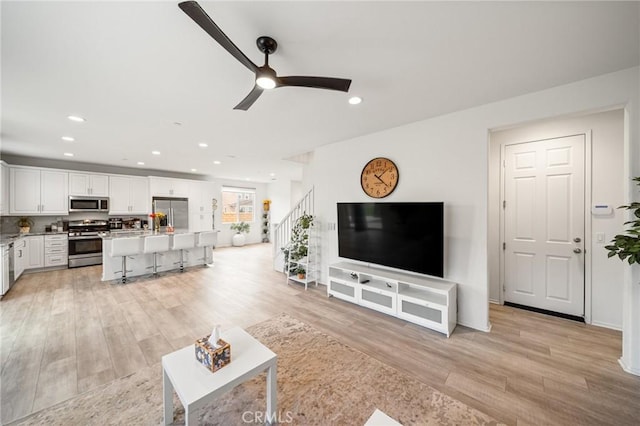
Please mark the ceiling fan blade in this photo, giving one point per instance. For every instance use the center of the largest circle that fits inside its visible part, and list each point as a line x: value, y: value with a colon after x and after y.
x: 195, y: 12
x: 341, y: 84
x: 246, y: 103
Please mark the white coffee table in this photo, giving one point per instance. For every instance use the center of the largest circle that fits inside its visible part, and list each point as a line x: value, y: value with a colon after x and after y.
x: 196, y: 386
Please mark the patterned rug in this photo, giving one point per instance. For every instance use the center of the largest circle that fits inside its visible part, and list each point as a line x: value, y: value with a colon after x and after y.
x: 321, y: 381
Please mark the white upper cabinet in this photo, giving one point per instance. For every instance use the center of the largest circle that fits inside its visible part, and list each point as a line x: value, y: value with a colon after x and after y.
x: 129, y: 195
x: 4, y: 189
x: 169, y: 187
x: 200, y: 196
x: 38, y: 191
x: 88, y: 184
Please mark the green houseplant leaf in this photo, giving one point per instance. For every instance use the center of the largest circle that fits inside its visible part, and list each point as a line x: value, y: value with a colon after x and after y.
x: 627, y: 245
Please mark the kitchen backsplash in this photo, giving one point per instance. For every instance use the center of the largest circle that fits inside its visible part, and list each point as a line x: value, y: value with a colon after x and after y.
x: 8, y: 224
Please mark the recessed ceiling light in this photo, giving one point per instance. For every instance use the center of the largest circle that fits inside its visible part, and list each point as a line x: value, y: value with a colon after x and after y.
x: 202, y: 145
x: 217, y: 162
x: 76, y: 118
x: 177, y: 123
x: 355, y: 100
x: 247, y: 178
x: 155, y: 152
x: 68, y: 154
x: 140, y: 163
x: 194, y: 170
x: 68, y: 139
x: 272, y: 174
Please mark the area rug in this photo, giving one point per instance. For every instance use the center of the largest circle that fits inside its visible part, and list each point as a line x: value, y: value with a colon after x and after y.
x: 321, y: 381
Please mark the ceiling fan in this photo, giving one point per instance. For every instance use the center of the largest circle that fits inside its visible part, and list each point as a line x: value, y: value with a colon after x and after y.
x: 266, y: 77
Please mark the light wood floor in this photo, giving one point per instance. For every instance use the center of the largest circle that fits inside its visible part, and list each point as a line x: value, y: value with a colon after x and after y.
x: 65, y: 332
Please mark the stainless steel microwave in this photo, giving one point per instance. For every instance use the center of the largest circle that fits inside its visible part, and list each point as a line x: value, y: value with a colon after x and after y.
x: 88, y: 204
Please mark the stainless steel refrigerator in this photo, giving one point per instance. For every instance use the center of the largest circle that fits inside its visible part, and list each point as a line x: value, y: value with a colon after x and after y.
x: 176, y: 212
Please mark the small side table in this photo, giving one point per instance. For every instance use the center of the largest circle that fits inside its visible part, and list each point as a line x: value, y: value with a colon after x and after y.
x: 196, y: 386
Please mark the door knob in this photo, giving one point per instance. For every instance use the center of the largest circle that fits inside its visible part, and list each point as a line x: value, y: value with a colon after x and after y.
x: 577, y: 239
x: 577, y: 250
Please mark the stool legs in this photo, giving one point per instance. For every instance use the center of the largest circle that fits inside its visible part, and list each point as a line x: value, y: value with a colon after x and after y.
x: 124, y: 270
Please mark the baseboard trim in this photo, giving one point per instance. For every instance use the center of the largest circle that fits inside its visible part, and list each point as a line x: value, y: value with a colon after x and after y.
x: 626, y: 368
x: 546, y: 312
x: 484, y: 329
x: 606, y: 325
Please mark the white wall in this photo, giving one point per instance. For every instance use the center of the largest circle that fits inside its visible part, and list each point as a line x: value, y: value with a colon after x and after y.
x: 446, y: 159
x: 225, y: 235
x: 607, y: 175
x: 279, y: 192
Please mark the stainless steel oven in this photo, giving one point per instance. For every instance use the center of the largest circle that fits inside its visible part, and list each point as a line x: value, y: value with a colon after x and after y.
x: 88, y: 204
x: 85, y: 242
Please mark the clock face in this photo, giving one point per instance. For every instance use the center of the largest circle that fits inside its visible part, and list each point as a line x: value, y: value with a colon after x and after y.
x: 379, y: 177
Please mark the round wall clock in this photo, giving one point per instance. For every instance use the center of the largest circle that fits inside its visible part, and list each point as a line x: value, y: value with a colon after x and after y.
x: 379, y: 177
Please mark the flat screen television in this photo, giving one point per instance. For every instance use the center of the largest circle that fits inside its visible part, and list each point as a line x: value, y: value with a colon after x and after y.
x: 407, y: 236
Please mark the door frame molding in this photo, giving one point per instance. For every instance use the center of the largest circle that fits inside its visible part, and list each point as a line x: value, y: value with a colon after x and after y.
x: 587, y: 216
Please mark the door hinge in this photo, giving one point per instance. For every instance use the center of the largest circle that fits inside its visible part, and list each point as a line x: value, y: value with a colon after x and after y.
x: 504, y: 288
x: 504, y: 204
x: 504, y: 246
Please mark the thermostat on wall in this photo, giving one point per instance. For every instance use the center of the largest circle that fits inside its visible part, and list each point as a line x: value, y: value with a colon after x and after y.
x: 601, y: 210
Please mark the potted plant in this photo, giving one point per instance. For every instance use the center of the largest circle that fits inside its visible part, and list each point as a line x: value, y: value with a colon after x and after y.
x: 25, y: 223
x: 301, y: 272
x: 627, y: 245
x: 241, y: 228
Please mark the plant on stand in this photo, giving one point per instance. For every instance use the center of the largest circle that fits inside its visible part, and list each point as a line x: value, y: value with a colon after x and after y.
x: 241, y: 228
x: 24, y: 223
x: 301, y: 272
x: 298, y: 246
x: 627, y: 245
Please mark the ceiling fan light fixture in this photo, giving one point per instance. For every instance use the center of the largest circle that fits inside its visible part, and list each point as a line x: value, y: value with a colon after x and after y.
x: 266, y: 77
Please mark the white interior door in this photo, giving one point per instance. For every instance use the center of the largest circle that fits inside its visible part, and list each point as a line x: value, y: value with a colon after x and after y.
x: 544, y: 224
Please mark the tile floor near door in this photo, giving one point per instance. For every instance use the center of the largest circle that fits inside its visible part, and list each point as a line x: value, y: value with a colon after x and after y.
x: 65, y: 332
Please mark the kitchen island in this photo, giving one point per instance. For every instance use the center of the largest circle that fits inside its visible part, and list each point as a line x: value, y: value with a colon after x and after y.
x: 142, y: 263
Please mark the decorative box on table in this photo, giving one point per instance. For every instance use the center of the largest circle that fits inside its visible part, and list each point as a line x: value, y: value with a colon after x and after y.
x: 213, y: 358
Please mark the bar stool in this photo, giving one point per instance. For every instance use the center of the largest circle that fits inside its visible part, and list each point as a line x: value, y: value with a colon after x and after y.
x: 207, y: 239
x: 124, y: 247
x: 182, y: 242
x: 155, y: 244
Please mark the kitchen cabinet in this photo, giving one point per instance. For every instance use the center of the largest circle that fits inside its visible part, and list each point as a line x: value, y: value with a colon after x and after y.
x: 129, y: 195
x: 34, y: 252
x: 169, y: 187
x: 200, y: 206
x: 88, y: 184
x: 56, y: 248
x: 19, y: 256
x: 4, y: 188
x: 36, y: 191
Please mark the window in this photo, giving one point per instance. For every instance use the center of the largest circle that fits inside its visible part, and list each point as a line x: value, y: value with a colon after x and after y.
x: 238, y: 204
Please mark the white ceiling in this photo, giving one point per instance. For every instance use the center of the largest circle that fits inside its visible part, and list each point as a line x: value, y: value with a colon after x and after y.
x: 133, y: 69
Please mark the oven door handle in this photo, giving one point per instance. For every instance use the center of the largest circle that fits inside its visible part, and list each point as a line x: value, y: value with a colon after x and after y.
x: 89, y: 237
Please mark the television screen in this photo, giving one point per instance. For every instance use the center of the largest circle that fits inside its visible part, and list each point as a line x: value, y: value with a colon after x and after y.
x: 407, y: 236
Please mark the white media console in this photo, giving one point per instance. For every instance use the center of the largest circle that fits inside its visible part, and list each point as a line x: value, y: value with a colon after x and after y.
x: 428, y: 302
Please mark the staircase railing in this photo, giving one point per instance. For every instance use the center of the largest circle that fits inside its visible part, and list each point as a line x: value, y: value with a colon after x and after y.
x: 282, y: 232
